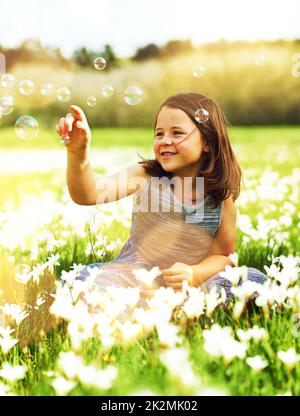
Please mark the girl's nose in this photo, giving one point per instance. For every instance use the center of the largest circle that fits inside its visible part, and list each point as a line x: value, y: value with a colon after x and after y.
x: 168, y: 139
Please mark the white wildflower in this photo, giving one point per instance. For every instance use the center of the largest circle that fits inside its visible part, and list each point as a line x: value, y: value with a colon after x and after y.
x: 15, y: 311
x: 62, y: 386
x: 176, y: 360
x: 256, y: 363
x: 168, y: 334
x: 13, y: 373
x: 145, y: 276
x: 289, y: 357
x: 195, y: 304
x: 234, y: 274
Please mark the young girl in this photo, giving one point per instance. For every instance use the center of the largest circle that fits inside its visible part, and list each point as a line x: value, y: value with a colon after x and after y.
x: 188, y: 235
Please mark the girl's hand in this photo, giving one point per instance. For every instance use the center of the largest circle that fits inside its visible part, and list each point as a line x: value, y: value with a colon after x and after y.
x: 74, y: 130
x: 176, y: 274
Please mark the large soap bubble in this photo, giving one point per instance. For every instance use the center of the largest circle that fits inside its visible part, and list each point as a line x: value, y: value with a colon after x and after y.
x: 63, y: 94
x: 26, y: 127
x: 46, y: 88
x: 99, y: 63
x: 26, y: 87
x: 201, y: 115
x: 259, y: 59
x: 133, y: 95
x: 7, y: 80
x: 198, y: 71
x: 91, y: 101
x: 107, y: 90
x: 6, y: 104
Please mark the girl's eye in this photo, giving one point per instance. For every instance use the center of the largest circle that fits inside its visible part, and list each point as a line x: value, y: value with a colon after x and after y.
x: 176, y: 133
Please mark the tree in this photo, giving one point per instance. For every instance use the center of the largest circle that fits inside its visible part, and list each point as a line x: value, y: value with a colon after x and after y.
x: 175, y: 47
x: 110, y: 56
x: 148, y: 52
x: 82, y: 57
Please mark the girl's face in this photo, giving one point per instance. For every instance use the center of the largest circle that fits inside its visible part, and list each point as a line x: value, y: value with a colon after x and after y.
x: 175, y: 123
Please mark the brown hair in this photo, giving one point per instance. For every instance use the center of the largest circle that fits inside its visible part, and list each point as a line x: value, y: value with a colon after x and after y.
x: 219, y: 167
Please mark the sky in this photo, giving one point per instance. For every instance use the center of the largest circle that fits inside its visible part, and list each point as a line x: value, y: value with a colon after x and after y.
x: 129, y: 24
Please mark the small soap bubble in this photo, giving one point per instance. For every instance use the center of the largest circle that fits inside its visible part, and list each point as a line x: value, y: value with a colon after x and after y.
x: 198, y: 71
x: 201, y: 115
x: 63, y: 94
x: 107, y: 90
x: 22, y: 268
x: 26, y: 87
x: 7, y: 80
x: 99, y: 63
x: 91, y: 101
x: 26, y: 127
x: 259, y: 59
x: 6, y: 104
x: 133, y: 95
x: 46, y: 88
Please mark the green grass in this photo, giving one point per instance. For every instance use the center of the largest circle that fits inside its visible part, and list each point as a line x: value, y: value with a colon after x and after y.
x: 104, y: 138
x: 258, y: 137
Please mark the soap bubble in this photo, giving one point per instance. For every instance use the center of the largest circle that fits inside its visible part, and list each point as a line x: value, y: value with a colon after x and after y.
x: 201, y: 115
x: 26, y: 87
x: 46, y: 88
x: 26, y: 127
x: 99, y: 63
x: 6, y: 104
x: 133, y: 95
x: 259, y: 59
x: 63, y: 94
x: 91, y: 101
x: 7, y: 80
x: 107, y: 90
x: 198, y: 71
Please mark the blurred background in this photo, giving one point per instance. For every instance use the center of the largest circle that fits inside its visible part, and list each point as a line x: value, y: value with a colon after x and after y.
x: 246, y: 55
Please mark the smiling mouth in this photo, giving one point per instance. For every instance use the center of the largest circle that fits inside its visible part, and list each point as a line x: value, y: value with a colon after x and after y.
x: 168, y: 154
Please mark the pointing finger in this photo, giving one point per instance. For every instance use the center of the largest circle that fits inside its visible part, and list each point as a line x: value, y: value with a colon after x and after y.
x: 78, y: 113
x: 69, y: 121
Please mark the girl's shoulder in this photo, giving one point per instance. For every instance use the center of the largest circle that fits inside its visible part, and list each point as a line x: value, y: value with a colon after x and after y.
x: 138, y: 176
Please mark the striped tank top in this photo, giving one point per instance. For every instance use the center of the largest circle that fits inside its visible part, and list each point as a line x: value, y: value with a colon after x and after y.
x: 164, y: 230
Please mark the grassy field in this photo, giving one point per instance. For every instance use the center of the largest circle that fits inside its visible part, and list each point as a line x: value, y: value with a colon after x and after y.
x: 92, y: 351
x: 265, y: 137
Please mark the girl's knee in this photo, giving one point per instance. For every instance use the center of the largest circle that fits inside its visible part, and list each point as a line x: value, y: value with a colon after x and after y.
x: 220, y: 282
x: 216, y: 281
x: 256, y: 275
x: 84, y: 273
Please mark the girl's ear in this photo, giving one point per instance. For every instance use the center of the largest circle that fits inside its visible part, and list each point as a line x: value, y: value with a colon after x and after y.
x: 205, y: 147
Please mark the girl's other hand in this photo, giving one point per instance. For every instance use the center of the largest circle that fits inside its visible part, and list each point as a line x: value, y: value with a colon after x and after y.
x: 176, y: 274
x: 74, y: 130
